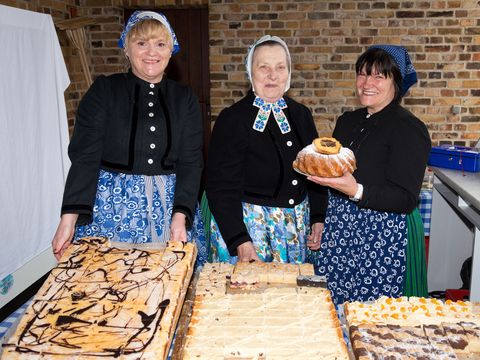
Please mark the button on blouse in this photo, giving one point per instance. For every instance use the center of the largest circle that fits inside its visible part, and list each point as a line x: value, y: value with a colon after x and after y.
x: 289, y: 192
x: 151, y: 137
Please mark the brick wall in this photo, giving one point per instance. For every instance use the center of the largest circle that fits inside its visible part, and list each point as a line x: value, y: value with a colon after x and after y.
x: 325, y: 38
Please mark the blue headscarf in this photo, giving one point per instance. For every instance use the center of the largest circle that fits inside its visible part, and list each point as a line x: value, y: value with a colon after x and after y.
x: 401, y: 57
x: 138, y: 16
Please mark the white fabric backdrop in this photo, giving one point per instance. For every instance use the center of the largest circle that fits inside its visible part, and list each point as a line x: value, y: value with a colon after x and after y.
x: 33, y: 135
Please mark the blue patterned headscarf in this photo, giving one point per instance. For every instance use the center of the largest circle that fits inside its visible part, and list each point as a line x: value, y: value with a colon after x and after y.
x: 138, y: 16
x: 401, y: 57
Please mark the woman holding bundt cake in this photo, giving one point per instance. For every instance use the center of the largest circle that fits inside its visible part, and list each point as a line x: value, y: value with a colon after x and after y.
x: 136, y: 149
x: 262, y: 209
x: 363, y: 250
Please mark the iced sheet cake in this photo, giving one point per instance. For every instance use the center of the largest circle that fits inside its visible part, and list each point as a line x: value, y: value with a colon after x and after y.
x: 286, y: 322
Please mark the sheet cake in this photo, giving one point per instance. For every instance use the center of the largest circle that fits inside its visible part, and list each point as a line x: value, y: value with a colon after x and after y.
x: 104, y: 301
x: 278, y: 323
x: 414, y: 328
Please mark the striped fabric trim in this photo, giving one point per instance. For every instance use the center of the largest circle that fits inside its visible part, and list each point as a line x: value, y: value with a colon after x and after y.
x: 150, y: 182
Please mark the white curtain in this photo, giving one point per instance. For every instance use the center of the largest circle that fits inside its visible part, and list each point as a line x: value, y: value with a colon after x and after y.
x: 33, y: 135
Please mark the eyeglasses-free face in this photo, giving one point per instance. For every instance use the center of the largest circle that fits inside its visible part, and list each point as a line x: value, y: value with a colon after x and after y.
x: 149, y: 57
x: 375, y: 90
x: 270, y: 72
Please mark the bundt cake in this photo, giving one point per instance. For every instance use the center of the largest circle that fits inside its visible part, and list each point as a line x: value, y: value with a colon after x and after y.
x: 325, y: 157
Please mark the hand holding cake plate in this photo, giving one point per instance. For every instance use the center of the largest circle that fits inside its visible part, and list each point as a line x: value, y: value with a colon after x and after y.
x: 326, y: 162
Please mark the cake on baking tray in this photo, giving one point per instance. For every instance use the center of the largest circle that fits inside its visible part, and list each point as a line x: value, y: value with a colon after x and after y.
x: 411, y: 311
x: 279, y: 322
x: 104, y: 301
x: 414, y: 328
x: 325, y: 157
x: 251, y: 274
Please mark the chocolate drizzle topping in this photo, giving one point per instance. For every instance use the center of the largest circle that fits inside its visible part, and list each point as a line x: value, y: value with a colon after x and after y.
x: 119, y: 295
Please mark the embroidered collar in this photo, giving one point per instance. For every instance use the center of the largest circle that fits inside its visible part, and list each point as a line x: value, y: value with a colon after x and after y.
x: 264, y: 113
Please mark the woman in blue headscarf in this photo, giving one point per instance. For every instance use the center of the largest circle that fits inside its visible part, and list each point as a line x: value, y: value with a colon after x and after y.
x: 363, y: 250
x: 136, y: 149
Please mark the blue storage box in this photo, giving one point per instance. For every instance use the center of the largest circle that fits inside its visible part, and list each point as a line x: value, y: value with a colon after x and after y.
x: 455, y: 157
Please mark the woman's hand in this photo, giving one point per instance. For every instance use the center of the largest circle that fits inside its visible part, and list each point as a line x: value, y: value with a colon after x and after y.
x: 315, y: 238
x: 64, y: 234
x: 246, y: 252
x: 346, y: 183
x: 178, y: 229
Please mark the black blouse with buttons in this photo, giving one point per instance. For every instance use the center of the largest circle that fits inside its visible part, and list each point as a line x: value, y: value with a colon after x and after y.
x: 128, y: 125
x: 391, y: 149
x: 151, y: 134
x: 245, y: 165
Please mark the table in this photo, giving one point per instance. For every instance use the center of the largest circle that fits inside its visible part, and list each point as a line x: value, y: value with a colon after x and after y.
x: 12, y: 320
x: 455, y: 230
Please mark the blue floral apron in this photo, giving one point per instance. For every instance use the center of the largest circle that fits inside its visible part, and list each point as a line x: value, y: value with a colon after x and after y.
x: 138, y: 209
x: 278, y: 234
x: 362, y: 252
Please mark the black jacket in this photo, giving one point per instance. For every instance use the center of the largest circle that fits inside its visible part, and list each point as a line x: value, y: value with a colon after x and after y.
x: 245, y: 165
x: 391, y: 148
x: 127, y: 125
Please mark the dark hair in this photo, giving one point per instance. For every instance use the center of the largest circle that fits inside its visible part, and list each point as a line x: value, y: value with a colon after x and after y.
x: 381, y: 61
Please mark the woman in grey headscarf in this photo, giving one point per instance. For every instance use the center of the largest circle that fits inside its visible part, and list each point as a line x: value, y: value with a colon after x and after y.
x: 263, y: 209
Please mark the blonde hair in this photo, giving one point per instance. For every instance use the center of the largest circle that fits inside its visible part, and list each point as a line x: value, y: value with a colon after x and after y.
x: 148, y: 29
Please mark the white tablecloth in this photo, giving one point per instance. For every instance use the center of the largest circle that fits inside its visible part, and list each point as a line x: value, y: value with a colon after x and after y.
x: 33, y: 137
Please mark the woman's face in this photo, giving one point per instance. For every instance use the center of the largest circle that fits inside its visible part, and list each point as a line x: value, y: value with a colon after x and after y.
x: 149, y: 57
x: 270, y: 72
x: 375, y: 91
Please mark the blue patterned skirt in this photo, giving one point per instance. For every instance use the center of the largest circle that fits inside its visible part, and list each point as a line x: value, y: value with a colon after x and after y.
x: 278, y: 234
x: 362, y: 252
x: 138, y: 209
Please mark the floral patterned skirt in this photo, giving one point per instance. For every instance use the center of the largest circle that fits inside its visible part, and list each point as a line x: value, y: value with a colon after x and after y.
x: 278, y: 234
x: 138, y: 209
x: 362, y: 252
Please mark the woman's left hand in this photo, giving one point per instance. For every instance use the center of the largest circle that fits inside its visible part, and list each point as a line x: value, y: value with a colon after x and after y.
x: 178, y: 230
x: 346, y: 183
x: 314, y: 239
